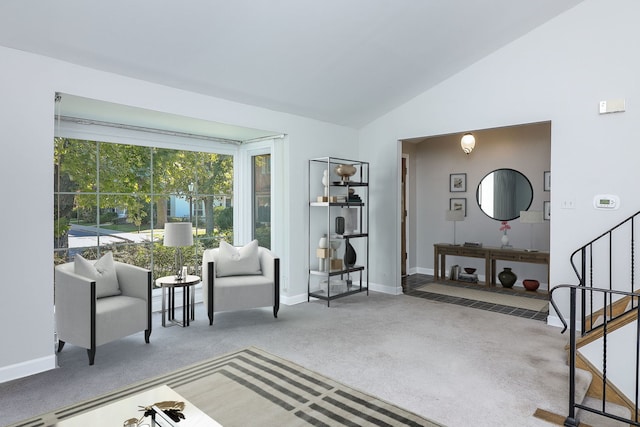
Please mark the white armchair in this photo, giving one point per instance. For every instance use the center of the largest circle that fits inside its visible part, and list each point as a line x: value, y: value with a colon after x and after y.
x: 226, y: 288
x: 86, y: 319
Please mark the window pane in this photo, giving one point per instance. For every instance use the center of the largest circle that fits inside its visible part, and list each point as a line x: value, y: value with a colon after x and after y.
x: 124, y: 169
x: 117, y: 197
x: 262, y: 199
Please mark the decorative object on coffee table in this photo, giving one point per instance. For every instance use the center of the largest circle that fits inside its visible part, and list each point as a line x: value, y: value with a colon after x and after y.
x: 531, y: 284
x: 507, y: 277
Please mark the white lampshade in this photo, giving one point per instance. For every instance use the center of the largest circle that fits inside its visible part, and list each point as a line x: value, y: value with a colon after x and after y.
x: 468, y: 143
x: 178, y: 234
x: 531, y: 217
x: 457, y: 215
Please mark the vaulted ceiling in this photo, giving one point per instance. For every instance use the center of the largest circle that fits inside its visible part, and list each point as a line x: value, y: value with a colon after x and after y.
x: 342, y: 61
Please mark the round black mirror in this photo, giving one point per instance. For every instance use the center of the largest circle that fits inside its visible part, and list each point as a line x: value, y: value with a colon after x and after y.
x: 503, y: 193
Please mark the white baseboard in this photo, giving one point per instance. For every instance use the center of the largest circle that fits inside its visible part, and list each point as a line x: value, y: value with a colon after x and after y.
x: 293, y: 300
x: 29, y: 367
x: 385, y: 289
x: 555, y: 321
x: 297, y: 299
x: 421, y: 270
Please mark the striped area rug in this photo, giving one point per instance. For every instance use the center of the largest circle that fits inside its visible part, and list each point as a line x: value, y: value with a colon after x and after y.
x: 254, y: 388
x: 524, y: 301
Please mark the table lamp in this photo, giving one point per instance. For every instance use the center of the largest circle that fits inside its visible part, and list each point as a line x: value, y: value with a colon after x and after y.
x: 531, y: 217
x: 178, y: 235
x: 455, y: 216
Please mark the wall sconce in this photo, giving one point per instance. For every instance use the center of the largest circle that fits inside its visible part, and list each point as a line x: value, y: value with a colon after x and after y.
x: 468, y: 142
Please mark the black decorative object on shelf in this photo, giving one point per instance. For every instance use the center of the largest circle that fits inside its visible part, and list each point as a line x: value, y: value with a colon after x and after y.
x: 507, y: 277
x: 353, y: 197
x: 339, y: 225
x: 349, y: 255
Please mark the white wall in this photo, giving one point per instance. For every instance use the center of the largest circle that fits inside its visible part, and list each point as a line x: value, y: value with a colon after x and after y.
x: 525, y: 148
x: 28, y: 84
x: 558, y: 72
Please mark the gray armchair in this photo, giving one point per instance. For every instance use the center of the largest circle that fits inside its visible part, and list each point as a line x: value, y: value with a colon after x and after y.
x: 85, y: 319
x: 241, y: 292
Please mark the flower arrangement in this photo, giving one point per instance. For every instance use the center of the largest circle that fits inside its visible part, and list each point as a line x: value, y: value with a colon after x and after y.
x: 505, y: 226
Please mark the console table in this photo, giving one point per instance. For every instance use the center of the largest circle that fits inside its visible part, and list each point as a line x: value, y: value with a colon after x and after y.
x: 490, y: 255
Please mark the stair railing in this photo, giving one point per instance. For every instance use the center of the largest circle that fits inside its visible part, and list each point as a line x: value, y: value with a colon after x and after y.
x: 606, y: 292
x: 606, y: 327
x: 607, y: 260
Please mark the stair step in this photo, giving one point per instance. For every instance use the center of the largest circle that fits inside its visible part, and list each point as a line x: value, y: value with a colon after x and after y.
x: 597, y: 420
x: 583, y: 381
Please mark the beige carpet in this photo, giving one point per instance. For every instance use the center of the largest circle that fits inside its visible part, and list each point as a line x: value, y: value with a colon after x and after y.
x: 486, y: 296
x: 254, y: 388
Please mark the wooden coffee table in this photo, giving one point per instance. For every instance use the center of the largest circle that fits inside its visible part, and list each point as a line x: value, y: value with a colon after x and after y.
x: 116, y: 413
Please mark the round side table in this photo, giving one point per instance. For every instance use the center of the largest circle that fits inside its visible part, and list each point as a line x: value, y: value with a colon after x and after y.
x: 170, y: 283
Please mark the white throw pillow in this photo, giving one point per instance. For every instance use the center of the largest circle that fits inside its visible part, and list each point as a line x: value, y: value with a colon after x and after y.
x: 102, y: 271
x: 241, y: 261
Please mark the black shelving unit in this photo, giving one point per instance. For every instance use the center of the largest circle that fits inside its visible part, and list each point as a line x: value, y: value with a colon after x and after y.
x: 336, y: 279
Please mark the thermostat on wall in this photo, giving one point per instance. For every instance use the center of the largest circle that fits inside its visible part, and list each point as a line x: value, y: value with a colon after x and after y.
x: 606, y: 201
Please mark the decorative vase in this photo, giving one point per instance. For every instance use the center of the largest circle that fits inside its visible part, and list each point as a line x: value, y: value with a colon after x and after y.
x: 531, y: 284
x: 322, y: 261
x: 507, y: 277
x: 345, y: 171
x: 505, y: 240
x: 339, y: 225
x: 349, y: 255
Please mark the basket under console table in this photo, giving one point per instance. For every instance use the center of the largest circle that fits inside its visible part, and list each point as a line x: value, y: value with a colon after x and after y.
x: 490, y: 255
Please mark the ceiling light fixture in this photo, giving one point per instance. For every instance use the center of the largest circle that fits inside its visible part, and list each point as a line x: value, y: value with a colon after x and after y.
x: 468, y: 142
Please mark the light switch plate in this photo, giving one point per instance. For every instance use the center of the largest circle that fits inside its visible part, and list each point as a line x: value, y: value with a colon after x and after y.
x: 612, y: 106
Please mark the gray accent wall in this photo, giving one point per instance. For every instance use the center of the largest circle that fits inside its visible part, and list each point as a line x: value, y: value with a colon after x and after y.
x: 526, y: 148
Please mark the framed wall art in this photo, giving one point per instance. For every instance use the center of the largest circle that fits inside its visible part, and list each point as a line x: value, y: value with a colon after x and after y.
x: 458, y: 182
x: 458, y: 204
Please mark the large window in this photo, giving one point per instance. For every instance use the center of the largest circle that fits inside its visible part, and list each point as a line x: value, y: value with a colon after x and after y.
x: 261, y: 168
x: 117, y: 197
